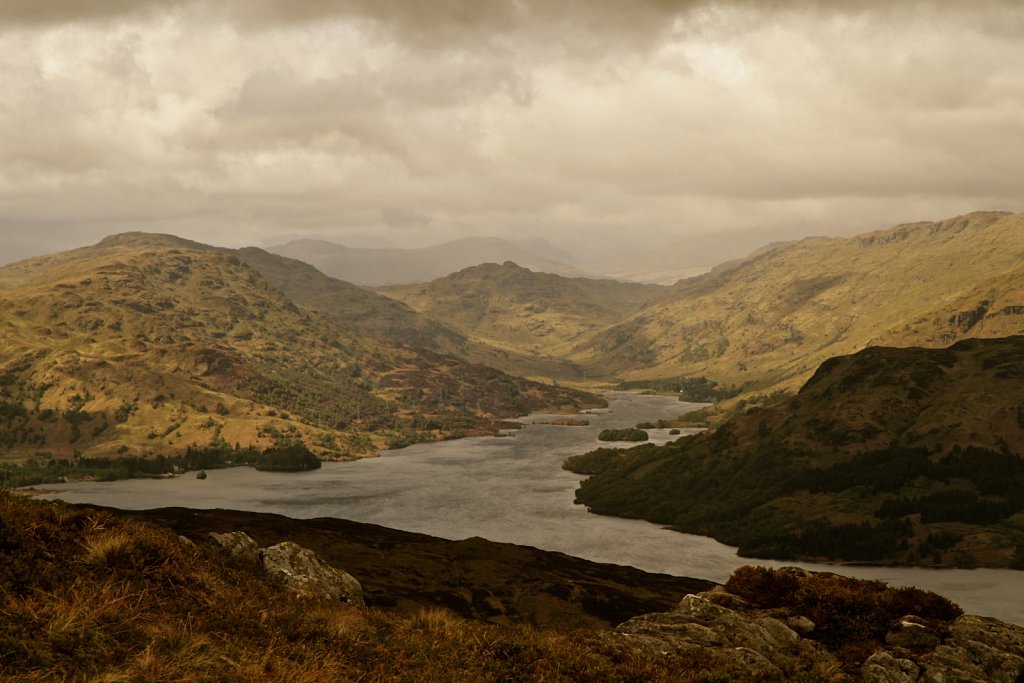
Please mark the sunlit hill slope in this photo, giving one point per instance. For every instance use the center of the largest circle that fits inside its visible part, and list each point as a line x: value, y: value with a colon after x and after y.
x: 522, y: 314
x: 148, y: 344
x: 772, y: 318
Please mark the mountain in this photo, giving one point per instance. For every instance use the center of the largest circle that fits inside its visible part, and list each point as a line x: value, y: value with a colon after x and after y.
x: 376, y: 267
x: 150, y: 344
x: 528, y: 314
x: 908, y: 455
x: 770, y: 319
x: 358, y: 309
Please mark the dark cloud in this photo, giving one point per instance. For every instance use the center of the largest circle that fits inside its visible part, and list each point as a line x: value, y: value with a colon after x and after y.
x: 608, y: 123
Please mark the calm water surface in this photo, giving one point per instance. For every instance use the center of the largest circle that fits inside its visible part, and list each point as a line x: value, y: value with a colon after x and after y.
x: 511, y: 489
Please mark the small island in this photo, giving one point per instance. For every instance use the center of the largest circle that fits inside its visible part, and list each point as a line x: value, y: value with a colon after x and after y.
x: 627, y: 434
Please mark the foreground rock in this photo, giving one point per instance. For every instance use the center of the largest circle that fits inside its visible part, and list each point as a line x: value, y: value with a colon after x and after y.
x: 301, y: 571
x: 795, y: 624
x: 298, y: 569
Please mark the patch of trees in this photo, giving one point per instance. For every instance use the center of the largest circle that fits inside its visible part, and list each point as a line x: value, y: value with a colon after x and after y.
x: 593, y: 462
x: 627, y: 434
x: 863, y: 541
x: 695, y: 389
x: 710, y: 485
x: 949, y: 506
x: 291, y: 458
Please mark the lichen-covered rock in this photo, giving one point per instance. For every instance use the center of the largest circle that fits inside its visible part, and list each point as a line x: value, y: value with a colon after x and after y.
x: 759, y: 645
x: 883, y: 667
x: 301, y: 571
x: 977, y: 649
x: 239, y: 545
x: 776, y: 643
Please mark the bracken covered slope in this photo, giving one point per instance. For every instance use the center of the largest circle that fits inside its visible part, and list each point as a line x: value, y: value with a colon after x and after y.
x: 148, y: 344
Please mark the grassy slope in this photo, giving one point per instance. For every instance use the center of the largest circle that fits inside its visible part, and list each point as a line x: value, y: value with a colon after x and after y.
x: 87, y: 594
x: 772, y: 318
x: 358, y: 309
x: 522, y: 313
x: 937, y: 435
x: 147, y: 344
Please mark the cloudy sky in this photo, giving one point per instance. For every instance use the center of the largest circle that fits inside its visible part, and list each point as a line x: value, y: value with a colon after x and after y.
x: 604, y: 125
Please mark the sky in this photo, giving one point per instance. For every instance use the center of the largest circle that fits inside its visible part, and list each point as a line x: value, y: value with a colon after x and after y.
x: 606, y: 127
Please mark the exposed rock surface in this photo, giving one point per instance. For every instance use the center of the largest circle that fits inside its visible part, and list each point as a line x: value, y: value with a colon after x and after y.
x: 239, y: 545
x: 301, y: 571
x: 761, y: 645
x: 298, y: 569
x: 775, y: 644
x: 883, y: 667
x: 977, y: 649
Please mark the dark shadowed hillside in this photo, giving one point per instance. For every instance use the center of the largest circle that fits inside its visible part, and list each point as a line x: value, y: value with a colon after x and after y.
x: 889, y: 455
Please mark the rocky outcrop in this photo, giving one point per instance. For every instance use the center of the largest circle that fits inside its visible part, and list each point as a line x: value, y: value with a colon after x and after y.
x: 977, y: 649
x: 775, y: 644
x: 239, y: 546
x: 759, y: 645
x: 298, y: 569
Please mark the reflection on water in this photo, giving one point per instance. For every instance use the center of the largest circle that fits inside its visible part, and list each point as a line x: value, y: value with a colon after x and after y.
x: 510, y: 489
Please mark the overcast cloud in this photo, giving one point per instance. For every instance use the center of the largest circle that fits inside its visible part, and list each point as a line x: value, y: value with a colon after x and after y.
x: 606, y: 124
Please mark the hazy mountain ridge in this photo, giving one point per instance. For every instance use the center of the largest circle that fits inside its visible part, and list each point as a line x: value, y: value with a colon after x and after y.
x: 773, y: 317
x: 514, y: 308
x: 909, y: 455
x: 146, y: 344
x: 378, y: 267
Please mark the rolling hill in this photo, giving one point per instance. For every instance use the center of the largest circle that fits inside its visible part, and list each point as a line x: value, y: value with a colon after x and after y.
x: 150, y: 344
x: 376, y: 267
x: 906, y: 455
x: 521, y: 312
x: 769, y: 320
x: 358, y: 309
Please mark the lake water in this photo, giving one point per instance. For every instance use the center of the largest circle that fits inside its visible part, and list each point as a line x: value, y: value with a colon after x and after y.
x: 512, y: 489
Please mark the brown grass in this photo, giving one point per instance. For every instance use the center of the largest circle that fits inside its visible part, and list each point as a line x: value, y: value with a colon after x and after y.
x: 89, y: 596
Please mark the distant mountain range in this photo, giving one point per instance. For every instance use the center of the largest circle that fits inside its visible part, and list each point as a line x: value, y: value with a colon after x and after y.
x: 905, y: 455
x: 375, y: 267
x: 151, y: 344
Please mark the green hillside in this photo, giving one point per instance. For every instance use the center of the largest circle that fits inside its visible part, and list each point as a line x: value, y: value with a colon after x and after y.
x: 889, y: 455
